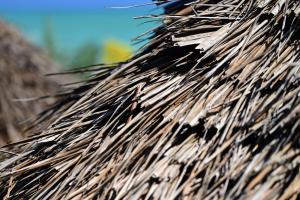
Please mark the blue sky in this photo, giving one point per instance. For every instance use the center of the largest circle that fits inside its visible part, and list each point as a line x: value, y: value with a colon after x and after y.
x: 30, y: 15
x: 65, y: 4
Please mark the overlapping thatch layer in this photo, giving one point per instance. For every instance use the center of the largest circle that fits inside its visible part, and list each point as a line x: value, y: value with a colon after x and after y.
x: 22, y: 70
x: 210, y: 110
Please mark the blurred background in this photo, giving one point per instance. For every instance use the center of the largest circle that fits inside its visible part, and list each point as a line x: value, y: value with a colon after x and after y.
x: 80, y: 32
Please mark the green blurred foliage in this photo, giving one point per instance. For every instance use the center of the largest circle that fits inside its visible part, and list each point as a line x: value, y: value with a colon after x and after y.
x: 90, y: 53
x: 49, y: 44
x: 48, y: 38
x: 87, y: 54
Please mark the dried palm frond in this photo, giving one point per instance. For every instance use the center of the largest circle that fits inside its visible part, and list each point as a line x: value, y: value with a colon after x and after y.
x: 22, y: 69
x: 208, y: 110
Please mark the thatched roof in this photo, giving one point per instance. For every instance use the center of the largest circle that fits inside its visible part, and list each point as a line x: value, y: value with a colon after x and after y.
x: 22, y: 68
x: 209, y: 110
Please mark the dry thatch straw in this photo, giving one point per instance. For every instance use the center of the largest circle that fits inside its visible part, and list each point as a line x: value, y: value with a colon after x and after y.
x: 209, y: 110
x: 22, y: 69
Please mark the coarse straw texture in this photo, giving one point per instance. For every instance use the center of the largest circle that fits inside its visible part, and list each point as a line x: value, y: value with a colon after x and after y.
x: 22, y: 69
x: 208, y: 110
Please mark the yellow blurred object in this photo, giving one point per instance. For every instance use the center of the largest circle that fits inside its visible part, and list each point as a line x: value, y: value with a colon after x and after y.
x: 114, y: 51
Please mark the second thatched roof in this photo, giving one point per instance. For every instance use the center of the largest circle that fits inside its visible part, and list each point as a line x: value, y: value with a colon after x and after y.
x: 22, y: 69
x: 208, y: 110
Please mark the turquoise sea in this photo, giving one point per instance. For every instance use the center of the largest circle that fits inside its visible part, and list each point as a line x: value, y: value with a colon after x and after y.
x: 72, y: 28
